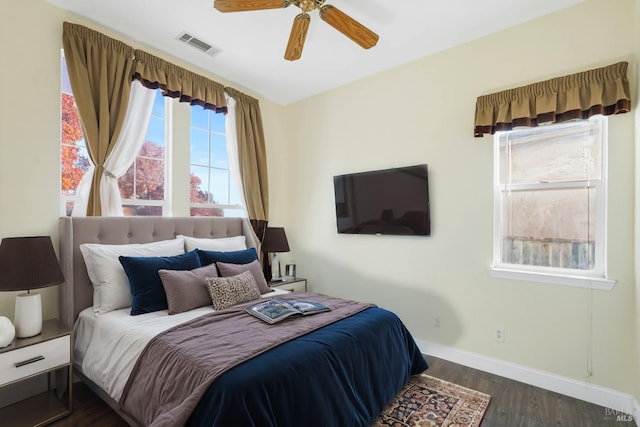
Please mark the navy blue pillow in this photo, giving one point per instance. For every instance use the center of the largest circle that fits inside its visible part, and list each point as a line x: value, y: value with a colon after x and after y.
x: 244, y: 256
x: 144, y: 280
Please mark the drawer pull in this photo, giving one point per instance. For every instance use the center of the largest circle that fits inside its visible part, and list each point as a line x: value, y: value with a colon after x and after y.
x: 26, y: 362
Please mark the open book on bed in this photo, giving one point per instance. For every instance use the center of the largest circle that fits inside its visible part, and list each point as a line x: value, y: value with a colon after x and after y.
x: 275, y: 310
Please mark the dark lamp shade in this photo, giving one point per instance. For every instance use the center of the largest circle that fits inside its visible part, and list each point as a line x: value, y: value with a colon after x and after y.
x: 28, y: 263
x: 275, y: 240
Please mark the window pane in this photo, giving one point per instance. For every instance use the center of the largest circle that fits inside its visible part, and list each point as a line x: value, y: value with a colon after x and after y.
x: 149, y: 179
x: 199, y: 184
x: 74, y: 158
x: 199, y: 117
x: 234, y: 199
x: 559, y: 153
x: 75, y: 162
x: 145, y: 179
x: 158, y: 105
x: 210, y: 175
x: 155, y: 135
x: 218, y: 123
x: 220, y: 186
x: 553, y: 228
x: 199, y: 147
x: 219, y: 157
x: 65, y: 84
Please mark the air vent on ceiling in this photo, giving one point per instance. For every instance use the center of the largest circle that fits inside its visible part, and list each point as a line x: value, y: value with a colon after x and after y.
x: 199, y: 44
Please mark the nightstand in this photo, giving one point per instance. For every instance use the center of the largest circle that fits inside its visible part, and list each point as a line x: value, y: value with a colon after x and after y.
x: 294, y: 285
x: 36, y: 360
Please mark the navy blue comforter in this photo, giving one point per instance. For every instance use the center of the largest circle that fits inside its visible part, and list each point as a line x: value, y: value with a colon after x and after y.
x: 343, y: 374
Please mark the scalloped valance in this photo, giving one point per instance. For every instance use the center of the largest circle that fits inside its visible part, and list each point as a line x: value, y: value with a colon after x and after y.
x: 577, y: 96
x: 177, y: 82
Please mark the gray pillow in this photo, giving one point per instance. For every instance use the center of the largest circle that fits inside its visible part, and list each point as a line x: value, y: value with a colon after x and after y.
x: 228, y: 291
x: 187, y: 289
x: 228, y: 269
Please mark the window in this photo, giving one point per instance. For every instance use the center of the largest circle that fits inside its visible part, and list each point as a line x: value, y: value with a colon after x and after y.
x: 213, y: 191
x: 74, y: 158
x: 550, y: 204
x: 142, y: 187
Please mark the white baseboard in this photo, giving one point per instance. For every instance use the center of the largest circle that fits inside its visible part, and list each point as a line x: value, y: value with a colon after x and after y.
x: 623, y: 403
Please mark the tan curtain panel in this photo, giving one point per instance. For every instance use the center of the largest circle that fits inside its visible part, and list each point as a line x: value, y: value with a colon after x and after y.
x: 253, y: 159
x: 577, y: 96
x: 177, y: 82
x: 100, y: 73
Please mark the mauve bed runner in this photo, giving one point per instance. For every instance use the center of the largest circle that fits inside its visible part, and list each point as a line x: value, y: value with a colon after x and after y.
x: 176, y: 367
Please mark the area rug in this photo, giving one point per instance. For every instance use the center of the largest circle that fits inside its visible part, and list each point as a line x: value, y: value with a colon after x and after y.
x: 431, y: 402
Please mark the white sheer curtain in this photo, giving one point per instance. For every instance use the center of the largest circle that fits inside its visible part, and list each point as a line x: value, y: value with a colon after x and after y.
x: 127, y: 147
x: 82, y: 192
x: 232, y: 150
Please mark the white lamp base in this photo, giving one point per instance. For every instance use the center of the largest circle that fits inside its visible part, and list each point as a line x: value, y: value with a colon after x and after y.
x: 28, y: 316
x: 275, y: 268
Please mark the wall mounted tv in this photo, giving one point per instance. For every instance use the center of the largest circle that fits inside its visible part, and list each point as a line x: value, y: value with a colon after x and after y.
x: 390, y: 201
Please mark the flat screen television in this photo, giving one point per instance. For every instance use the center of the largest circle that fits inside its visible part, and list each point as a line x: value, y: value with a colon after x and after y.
x: 389, y: 201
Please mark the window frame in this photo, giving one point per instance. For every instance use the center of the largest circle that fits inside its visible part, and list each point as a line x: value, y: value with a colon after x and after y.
x: 165, y: 203
x: 227, y: 209
x: 595, y: 278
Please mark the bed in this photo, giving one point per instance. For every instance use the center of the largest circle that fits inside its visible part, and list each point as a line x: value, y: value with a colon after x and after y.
x: 341, y: 371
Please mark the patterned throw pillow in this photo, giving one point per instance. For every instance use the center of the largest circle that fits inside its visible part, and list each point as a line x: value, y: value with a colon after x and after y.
x: 228, y: 291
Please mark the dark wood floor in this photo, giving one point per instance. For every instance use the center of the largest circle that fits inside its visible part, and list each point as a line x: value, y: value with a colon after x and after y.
x: 521, y: 405
x: 513, y: 404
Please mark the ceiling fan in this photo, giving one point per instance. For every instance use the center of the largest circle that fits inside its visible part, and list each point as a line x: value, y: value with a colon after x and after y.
x: 330, y: 14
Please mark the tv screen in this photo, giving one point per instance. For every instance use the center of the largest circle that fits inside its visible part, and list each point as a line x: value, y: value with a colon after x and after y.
x: 390, y: 201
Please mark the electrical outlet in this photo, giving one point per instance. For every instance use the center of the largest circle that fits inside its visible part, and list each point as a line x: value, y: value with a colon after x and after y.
x: 436, y: 322
x: 500, y: 334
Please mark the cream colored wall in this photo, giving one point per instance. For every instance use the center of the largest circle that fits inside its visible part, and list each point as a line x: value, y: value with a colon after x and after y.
x: 30, y: 126
x: 423, y: 112
x: 636, y: 104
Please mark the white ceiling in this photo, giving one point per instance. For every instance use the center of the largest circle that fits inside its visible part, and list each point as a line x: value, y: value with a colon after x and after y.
x: 253, y: 43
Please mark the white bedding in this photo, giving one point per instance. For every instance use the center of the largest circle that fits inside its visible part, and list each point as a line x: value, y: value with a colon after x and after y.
x: 106, y: 347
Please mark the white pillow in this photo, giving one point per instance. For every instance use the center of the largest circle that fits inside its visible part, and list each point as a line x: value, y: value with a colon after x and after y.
x: 110, y: 284
x: 224, y: 244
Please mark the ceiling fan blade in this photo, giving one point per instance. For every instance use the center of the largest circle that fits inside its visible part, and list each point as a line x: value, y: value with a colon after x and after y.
x: 348, y: 26
x: 297, y: 37
x: 247, y: 5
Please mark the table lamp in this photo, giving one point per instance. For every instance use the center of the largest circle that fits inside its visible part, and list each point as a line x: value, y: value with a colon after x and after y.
x: 28, y: 263
x: 275, y: 240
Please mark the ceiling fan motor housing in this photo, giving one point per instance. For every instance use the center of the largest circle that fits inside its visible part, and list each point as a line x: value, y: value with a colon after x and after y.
x: 308, y: 5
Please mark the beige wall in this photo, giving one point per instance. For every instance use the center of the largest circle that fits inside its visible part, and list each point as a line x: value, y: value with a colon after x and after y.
x: 423, y: 112
x: 419, y: 112
x: 636, y: 103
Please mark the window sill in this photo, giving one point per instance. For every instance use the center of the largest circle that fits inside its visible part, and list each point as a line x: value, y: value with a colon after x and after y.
x: 599, y: 283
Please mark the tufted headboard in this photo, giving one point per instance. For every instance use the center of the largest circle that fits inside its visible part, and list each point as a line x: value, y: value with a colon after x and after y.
x: 76, y: 293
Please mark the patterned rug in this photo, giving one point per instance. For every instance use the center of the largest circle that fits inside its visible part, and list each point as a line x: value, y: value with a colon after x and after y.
x: 429, y: 402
